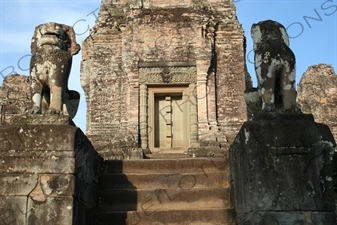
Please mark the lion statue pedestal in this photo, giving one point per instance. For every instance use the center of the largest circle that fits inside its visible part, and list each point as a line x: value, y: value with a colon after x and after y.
x: 281, y: 172
x: 281, y: 161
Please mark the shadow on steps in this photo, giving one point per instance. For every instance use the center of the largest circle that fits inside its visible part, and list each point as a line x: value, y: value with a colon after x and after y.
x: 116, y: 196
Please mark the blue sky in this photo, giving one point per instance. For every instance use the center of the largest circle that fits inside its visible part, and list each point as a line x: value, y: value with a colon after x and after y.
x: 311, y: 24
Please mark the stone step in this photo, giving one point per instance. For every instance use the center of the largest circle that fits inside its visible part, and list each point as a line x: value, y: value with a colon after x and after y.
x: 202, y: 216
x: 163, y: 199
x: 167, y: 156
x: 186, y: 165
x: 168, y: 191
x: 201, y: 179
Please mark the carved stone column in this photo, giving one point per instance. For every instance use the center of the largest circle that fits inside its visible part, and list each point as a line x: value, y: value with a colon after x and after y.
x: 193, y: 115
x: 143, y: 116
x: 211, y: 100
x: 202, y: 95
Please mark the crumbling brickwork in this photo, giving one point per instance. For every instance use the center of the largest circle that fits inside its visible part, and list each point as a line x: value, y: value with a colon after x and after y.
x: 14, y: 96
x: 317, y: 91
x: 129, y: 35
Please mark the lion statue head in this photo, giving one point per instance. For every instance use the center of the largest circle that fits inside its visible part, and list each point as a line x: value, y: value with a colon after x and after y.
x: 56, y: 36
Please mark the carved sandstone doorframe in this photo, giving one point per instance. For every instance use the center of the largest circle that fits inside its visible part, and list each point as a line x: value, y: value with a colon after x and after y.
x: 169, y: 76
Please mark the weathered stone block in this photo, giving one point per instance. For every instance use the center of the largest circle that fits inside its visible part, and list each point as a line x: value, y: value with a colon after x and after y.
x: 37, y: 162
x: 57, y: 184
x: 24, y: 137
x: 53, y: 210
x: 292, y: 218
x: 17, y: 184
x: 323, y: 218
x: 53, y: 185
x: 282, y: 164
x: 13, y: 210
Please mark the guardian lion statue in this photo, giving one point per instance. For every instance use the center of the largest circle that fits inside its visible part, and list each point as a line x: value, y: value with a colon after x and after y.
x: 274, y: 66
x: 53, y: 46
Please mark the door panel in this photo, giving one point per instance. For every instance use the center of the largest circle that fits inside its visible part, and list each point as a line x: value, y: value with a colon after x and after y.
x: 168, y: 122
x: 160, y: 117
x: 177, y: 122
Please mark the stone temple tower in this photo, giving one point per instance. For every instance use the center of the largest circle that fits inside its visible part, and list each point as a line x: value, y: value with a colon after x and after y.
x: 164, y: 76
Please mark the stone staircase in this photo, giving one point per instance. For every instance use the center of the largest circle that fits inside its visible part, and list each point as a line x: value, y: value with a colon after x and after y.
x: 165, y: 191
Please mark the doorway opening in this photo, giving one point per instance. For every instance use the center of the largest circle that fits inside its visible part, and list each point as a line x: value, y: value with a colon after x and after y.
x: 169, y: 118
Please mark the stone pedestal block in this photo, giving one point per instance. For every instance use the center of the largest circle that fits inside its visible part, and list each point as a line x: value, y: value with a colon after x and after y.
x: 47, y: 166
x: 281, y: 171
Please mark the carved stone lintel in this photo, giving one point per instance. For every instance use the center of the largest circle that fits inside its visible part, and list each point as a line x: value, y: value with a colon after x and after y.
x: 167, y: 75
x: 193, y: 116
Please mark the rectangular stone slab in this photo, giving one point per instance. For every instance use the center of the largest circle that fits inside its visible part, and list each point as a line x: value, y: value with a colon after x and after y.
x: 13, y: 210
x: 54, y: 210
x: 281, y: 164
x: 37, y: 137
x: 17, y: 184
x: 45, y: 162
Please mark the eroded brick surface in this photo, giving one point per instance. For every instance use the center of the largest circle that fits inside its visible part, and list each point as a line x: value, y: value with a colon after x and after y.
x: 14, y: 96
x: 317, y: 91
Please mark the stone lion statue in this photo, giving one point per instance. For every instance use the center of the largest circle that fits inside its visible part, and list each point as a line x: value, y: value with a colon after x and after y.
x: 274, y: 66
x: 52, y: 48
